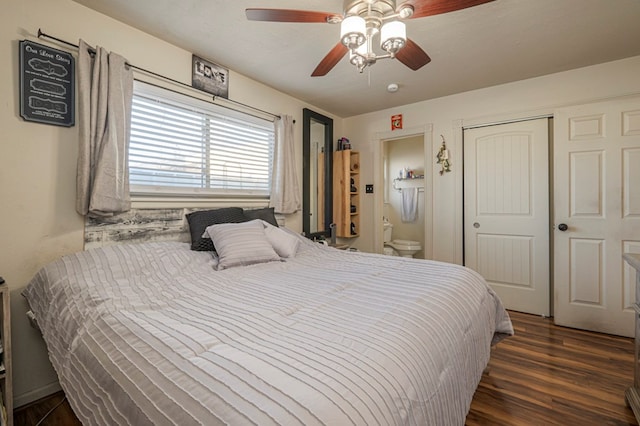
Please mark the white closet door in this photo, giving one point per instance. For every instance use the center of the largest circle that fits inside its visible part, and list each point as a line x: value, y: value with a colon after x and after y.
x: 506, y: 204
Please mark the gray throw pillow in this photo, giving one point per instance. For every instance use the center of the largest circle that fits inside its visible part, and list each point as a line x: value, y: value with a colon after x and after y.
x: 241, y: 244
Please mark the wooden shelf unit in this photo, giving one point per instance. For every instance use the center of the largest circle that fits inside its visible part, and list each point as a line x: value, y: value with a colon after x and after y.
x: 346, y: 169
x: 6, y: 385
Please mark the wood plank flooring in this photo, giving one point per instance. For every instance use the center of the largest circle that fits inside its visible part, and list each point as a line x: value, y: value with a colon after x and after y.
x: 549, y: 375
x: 31, y: 414
x: 544, y: 375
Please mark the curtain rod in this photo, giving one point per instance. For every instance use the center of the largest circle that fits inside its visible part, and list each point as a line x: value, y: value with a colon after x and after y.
x: 155, y: 74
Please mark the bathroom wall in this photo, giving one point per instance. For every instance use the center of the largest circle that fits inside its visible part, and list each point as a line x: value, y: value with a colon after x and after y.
x: 408, y: 152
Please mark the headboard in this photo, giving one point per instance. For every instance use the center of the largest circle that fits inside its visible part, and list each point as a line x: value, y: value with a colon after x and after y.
x: 141, y: 225
x: 137, y: 225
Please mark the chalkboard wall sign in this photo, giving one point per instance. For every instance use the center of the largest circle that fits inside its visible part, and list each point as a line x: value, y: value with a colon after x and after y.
x: 47, y: 84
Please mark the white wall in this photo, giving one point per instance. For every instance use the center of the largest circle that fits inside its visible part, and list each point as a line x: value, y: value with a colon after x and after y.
x: 38, y: 222
x: 520, y: 99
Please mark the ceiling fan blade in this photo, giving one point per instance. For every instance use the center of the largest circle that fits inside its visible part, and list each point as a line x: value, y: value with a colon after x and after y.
x: 413, y: 56
x: 422, y: 8
x: 289, y: 15
x: 328, y: 62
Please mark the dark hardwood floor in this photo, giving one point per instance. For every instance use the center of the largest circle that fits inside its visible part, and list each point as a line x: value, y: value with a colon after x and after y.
x: 31, y: 414
x: 544, y: 375
x: 549, y: 375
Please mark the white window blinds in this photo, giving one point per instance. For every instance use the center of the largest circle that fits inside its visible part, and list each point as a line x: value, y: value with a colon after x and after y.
x: 187, y: 146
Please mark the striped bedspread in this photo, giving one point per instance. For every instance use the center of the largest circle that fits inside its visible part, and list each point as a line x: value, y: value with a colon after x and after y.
x: 151, y: 334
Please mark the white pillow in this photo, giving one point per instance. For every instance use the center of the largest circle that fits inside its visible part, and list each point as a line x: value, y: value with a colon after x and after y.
x: 241, y: 244
x: 285, y: 244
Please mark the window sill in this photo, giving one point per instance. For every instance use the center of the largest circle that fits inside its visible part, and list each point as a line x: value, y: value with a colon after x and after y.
x: 153, y: 201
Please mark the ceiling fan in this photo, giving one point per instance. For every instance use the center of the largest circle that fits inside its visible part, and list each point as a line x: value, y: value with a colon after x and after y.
x: 361, y: 21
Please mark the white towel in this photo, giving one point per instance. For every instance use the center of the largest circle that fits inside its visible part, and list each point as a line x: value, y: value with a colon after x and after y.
x: 409, y: 204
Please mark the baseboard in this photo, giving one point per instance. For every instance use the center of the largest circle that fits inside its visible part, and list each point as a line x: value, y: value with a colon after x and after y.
x: 36, y: 394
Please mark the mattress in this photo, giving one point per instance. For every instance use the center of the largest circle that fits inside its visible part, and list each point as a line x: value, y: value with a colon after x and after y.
x: 152, y: 334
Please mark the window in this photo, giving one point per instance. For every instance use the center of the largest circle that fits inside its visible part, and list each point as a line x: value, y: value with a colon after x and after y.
x: 182, y: 146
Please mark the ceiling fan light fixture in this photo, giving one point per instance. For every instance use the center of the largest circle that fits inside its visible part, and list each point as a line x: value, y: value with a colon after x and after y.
x: 353, y: 31
x: 363, y: 20
x: 357, y: 56
x: 393, y: 36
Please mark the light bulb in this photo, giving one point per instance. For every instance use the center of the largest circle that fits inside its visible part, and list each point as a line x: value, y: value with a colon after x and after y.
x: 352, y: 31
x: 393, y: 36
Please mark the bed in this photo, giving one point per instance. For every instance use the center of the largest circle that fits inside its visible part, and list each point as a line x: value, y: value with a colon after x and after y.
x: 159, y: 334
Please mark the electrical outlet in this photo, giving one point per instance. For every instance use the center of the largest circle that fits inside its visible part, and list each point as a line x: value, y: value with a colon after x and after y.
x: 368, y: 189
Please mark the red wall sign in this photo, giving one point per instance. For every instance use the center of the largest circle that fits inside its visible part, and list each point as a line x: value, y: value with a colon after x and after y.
x: 396, y: 121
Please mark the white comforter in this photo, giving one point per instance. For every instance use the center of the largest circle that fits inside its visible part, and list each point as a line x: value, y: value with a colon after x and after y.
x: 151, y: 334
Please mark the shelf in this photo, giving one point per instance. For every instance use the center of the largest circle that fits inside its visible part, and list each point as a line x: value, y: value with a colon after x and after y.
x: 399, y: 184
x: 346, y: 174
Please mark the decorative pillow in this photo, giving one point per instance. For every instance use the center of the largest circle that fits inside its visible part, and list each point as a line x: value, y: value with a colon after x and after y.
x: 241, y: 244
x: 199, y: 220
x: 284, y: 243
x: 267, y: 214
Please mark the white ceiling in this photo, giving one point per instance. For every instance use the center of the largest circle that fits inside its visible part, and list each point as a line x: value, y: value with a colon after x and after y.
x: 486, y: 45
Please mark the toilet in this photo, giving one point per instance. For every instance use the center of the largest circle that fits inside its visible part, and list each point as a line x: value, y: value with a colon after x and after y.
x: 404, y: 248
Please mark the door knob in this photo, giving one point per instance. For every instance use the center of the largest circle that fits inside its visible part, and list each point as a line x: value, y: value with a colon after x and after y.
x: 563, y: 227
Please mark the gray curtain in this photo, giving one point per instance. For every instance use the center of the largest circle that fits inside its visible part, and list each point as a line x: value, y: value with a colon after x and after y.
x: 105, y: 89
x: 285, y: 188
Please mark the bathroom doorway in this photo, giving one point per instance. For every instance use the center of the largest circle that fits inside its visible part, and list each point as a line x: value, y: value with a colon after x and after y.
x: 425, y: 132
x: 404, y: 204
